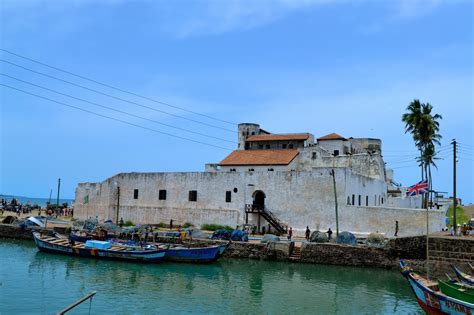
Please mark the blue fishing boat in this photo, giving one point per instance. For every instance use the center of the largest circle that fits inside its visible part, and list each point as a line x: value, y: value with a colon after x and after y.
x: 181, y: 253
x: 98, y: 249
x: 463, y: 277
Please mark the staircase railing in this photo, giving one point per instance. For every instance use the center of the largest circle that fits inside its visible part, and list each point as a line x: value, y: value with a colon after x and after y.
x: 269, y: 216
x: 274, y: 221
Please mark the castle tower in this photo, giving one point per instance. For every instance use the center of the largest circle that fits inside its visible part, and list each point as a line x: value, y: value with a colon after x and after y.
x: 245, y: 130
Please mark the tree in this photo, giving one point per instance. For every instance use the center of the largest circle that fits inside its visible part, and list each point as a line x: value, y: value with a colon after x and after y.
x: 424, y: 127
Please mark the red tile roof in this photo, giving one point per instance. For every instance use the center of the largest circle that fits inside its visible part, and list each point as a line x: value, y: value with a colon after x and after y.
x: 275, y: 137
x: 260, y: 157
x: 332, y: 136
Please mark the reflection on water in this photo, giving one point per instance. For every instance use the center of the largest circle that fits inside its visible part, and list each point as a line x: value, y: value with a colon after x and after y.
x: 31, y: 280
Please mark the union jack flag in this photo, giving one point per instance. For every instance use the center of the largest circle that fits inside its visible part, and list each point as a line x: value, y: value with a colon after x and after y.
x: 418, y: 189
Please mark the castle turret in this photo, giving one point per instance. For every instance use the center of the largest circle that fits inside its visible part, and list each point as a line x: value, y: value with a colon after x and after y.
x: 245, y: 130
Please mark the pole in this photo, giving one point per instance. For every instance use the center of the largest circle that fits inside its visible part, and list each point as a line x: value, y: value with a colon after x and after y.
x: 427, y: 247
x: 454, y: 187
x: 57, y: 199
x: 118, y: 205
x: 335, y: 200
x: 50, y: 193
x: 73, y: 305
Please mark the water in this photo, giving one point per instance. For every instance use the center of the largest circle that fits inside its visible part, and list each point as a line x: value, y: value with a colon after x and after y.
x: 39, y: 283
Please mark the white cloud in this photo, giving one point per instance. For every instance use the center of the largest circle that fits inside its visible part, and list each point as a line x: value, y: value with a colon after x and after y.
x: 217, y: 17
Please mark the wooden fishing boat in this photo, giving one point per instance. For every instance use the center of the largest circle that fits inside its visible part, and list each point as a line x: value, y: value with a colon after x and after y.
x: 181, y: 253
x: 430, y: 298
x: 457, y: 290
x: 97, y: 249
x: 463, y: 277
x: 192, y: 252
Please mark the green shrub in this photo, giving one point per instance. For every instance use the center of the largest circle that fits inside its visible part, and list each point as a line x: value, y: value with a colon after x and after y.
x: 162, y: 225
x: 214, y: 227
x: 187, y: 224
x: 128, y: 223
x: 460, y: 216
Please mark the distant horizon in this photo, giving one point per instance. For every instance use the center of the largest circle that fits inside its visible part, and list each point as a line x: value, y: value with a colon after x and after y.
x: 29, y: 197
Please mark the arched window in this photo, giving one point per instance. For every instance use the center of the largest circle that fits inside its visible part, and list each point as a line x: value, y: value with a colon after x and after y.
x: 360, y: 197
x: 367, y: 201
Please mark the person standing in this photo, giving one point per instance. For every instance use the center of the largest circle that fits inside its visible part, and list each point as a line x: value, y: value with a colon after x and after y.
x: 290, y: 233
x: 329, y: 234
x: 171, y: 224
x: 396, y: 228
x: 307, y: 233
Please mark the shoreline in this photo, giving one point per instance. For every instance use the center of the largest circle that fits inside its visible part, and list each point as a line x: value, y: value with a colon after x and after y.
x: 444, y: 251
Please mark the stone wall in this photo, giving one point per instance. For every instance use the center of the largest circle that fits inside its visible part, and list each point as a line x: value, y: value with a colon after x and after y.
x: 449, y: 249
x: 337, y: 254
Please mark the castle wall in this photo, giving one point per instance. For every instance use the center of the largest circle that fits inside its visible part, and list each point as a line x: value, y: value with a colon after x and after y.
x: 297, y: 198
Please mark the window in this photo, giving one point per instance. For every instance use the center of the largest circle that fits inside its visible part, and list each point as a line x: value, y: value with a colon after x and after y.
x: 353, y: 200
x: 270, y: 169
x: 233, y: 170
x: 291, y: 146
x: 348, y: 200
x: 135, y: 194
x: 313, y: 156
x: 283, y: 146
x: 382, y: 200
x: 336, y: 152
x: 228, y: 196
x: 193, y: 195
x: 367, y: 201
x: 162, y: 194
x: 251, y: 170
x: 267, y: 146
x: 235, y: 190
x: 359, y: 199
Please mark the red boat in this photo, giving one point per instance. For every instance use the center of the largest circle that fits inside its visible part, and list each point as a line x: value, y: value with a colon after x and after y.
x: 430, y: 298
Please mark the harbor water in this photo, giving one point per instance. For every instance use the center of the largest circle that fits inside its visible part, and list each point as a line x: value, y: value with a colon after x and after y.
x: 32, y: 282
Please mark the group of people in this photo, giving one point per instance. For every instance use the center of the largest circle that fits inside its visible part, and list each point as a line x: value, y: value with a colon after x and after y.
x: 15, y: 206
x: 462, y: 230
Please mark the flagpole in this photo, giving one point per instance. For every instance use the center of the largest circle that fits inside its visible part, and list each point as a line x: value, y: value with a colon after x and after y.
x: 427, y: 248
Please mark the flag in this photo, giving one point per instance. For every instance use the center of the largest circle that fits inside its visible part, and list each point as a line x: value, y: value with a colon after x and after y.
x: 418, y: 189
x: 86, y: 199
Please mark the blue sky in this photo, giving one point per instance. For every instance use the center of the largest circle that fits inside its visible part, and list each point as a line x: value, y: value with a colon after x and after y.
x: 324, y: 66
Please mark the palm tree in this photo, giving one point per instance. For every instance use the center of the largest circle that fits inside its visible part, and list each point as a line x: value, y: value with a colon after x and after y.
x: 412, y: 125
x: 424, y: 127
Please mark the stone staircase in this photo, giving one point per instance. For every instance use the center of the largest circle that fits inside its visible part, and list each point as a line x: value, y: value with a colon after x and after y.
x: 295, y: 254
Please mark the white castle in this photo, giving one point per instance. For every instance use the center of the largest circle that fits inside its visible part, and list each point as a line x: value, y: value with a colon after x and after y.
x: 276, y: 180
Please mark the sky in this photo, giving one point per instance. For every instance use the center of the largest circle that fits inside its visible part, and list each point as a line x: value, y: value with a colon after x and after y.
x: 318, y: 66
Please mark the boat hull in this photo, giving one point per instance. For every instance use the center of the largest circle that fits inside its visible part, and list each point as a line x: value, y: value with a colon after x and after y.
x: 194, y: 254
x: 457, y: 291
x: 463, y: 277
x: 144, y: 256
x: 433, y: 302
